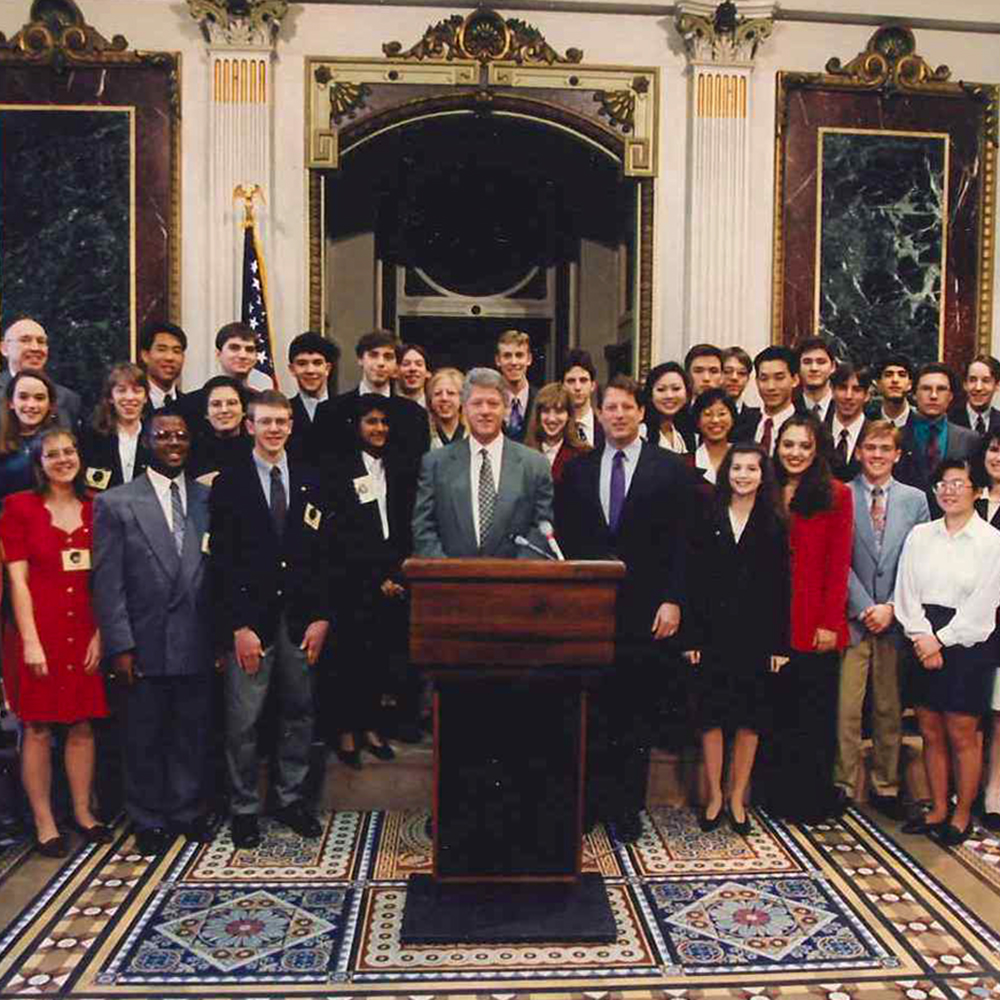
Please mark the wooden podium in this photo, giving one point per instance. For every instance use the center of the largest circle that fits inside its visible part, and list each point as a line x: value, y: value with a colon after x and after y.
x: 509, y: 644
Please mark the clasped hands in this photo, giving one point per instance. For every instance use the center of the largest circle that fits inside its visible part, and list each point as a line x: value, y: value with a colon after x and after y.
x: 928, y: 650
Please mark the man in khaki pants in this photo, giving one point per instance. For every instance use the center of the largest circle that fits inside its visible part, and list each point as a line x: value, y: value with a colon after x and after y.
x: 884, y: 512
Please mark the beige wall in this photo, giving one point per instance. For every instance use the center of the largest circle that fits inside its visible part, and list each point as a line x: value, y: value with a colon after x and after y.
x: 333, y: 29
x: 350, y: 283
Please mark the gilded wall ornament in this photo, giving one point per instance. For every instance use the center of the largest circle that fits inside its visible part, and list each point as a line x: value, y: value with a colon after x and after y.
x: 58, y: 35
x: 485, y: 37
x: 724, y: 37
x: 890, y: 62
x: 618, y: 106
x: 239, y: 22
x: 347, y: 99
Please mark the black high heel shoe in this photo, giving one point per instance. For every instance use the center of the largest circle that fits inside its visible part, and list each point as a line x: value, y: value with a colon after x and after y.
x: 740, y: 827
x: 707, y: 825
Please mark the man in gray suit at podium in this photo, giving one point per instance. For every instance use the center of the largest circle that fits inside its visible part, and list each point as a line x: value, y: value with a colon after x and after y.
x: 884, y: 512
x: 485, y: 495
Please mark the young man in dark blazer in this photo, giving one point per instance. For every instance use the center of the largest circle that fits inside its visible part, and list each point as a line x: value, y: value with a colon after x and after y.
x: 270, y: 531
x: 634, y: 502
x: 982, y: 376
x: 850, y: 387
x: 311, y: 360
x: 153, y: 603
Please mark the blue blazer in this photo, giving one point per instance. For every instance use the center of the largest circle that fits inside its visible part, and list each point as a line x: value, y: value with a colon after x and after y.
x: 872, y: 579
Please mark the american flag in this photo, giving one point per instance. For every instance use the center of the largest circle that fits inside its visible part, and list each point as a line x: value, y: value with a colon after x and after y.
x: 256, y: 315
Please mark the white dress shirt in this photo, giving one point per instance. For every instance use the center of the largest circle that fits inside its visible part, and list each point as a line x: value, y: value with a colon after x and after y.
x: 674, y: 443
x: 311, y: 402
x: 127, y: 446
x: 631, y: 453
x: 376, y: 473
x: 901, y: 420
x: 960, y: 571
x: 495, y: 451
x: 737, y: 524
x: 587, y: 423
x: 823, y: 404
x: 364, y: 389
x: 853, y: 432
x: 159, y: 397
x: 974, y: 415
x: 551, y: 450
x: 264, y: 474
x: 778, y: 421
x: 161, y: 486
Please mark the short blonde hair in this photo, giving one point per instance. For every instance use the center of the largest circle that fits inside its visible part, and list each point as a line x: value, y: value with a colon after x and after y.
x: 517, y: 338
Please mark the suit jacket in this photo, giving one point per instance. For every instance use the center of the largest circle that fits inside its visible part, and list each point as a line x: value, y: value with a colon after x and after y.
x: 147, y: 598
x: 803, y: 405
x: 529, y: 410
x: 746, y: 424
x: 148, y: 410
x: 911, y: 468
x: 872, y: 579
x: 983, y: 510
x: 821, y: 563
x: 442, y: 516
x: 102, y: 460
x: 846, y: 471
x: 360, y: 551
x: 68, y: 403
x: 257, y: 575
x: 959, y: 415
x: 335, y: 437
x: 301, y: 443
x: 740, y: 601
x: 566, y: 454
x: 653, y: 535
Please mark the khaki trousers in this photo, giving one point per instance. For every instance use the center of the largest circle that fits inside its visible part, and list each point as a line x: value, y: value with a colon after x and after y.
x: 875, y: 656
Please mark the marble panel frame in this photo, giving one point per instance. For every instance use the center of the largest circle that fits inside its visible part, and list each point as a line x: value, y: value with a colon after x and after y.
x: 883, y: 91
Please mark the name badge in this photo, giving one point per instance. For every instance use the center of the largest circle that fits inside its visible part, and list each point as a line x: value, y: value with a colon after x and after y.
x: 98, y: 479
x: 75, y: 559
x: 365, y: 489
x: 312, y: 517
x: 206, y: 543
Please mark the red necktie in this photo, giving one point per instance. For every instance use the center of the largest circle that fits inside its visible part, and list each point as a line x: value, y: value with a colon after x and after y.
x: 765, y: 438
x: 933, y: 452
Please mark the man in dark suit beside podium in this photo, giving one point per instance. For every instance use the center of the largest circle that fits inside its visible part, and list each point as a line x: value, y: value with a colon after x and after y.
x: 634, y: 502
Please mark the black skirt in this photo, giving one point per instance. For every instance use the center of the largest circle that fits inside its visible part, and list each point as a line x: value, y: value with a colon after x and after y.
x: 965, y: 682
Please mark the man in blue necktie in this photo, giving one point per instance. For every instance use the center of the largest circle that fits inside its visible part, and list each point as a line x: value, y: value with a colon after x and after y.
x: 513, y: 359
x: 635, y: 502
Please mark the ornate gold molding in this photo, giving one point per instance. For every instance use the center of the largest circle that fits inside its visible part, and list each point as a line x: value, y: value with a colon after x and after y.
x: 59, y: 35
x: 254, y: 23
x: 725, y: 37
x: 890, y: 62
x: 485, y: 37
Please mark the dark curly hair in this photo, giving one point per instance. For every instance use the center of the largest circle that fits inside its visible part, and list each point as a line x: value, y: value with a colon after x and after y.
x: 815, y: 490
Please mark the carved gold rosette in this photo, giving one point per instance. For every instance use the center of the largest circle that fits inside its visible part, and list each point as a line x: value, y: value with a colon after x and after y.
x: 58, y: 34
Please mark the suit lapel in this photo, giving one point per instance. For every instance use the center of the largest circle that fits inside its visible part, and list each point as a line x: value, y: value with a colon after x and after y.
x: 863, y: 519
x: 460, y: 476
x: 636, y: 486
x: 195, y: 529
x: 153, y: 523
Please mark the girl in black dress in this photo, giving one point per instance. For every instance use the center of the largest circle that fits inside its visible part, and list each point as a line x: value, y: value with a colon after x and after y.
x: 739, y: 631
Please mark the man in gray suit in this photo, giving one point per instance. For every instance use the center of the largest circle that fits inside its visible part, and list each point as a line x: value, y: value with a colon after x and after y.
x: 25, y: 346
x: 884, y: 512
x: 152, y: 602
x: 476, y: 496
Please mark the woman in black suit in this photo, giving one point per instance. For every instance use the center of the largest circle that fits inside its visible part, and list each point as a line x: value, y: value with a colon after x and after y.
x: 987, y: 470
x: 114, y: 452
x: 739, y: 627
x: 666, y: 397
x: 372, y: 496
x: 225, y: 440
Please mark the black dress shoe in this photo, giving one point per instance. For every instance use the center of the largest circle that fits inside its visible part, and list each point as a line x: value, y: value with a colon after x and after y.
x: 888, y: 805
x: 707, y: 825
x: 54, y: 847
x: 152, y: 841
x: 742, y: 827
x: 245, y: 831
x: 950, y: 836
x: 352, y: 758
x: 918, y: 826
x: 201, y: 830
x: 628, y: 829
x: 96, y: 834
x: 381, y: 751
x: 296, y: 817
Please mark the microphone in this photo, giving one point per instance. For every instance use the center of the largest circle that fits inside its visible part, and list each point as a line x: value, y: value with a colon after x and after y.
x: 550, y: 537
x: 522, y: 542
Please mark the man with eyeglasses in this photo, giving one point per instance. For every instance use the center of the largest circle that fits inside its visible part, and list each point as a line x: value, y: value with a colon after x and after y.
x: 152, y: 602
x: 270, y: 544
x: 929, y: 436
x: 25, y: 346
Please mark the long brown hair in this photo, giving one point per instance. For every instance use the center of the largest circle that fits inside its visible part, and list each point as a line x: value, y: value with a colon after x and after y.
x: 553, y: 397
x: 123, y: 373
x: 768, y: 501
x: 38, y: 446
x: 814, y: 493
x: 11, y: 438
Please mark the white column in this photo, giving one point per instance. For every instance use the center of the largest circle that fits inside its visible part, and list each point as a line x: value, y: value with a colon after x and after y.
x: 240, y: 143
x: 719, y: 181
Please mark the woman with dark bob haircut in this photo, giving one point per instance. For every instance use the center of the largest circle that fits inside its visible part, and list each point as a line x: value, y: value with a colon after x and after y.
x: 947, y: 593
x: 665, y: 396
x: 739, y: 626
x: 820, y: 535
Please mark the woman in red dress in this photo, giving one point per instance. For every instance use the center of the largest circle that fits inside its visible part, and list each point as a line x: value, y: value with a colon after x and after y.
x: 51, y: 660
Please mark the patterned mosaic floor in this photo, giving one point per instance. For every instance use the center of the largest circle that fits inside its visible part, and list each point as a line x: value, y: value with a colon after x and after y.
x: 981, y: 854
x: 834, y: 912
x: 15, y: 846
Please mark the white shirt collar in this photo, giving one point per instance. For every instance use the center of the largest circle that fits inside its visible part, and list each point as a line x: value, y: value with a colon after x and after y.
x: 364, y: 388
x: 158, y: 396
x: 161, y: 485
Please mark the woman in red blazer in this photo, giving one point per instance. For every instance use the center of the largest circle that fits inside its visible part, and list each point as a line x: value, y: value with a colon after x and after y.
x: 552, y: 431
x: 820, y: 526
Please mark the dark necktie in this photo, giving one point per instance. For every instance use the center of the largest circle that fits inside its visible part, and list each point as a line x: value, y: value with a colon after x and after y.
x: 487, y: 497
x: 765, y: 438
x: 279, y: 502
x: 980, y: 425
x: 616, y: 498
x: 878, y: 514
x: 515, y: 416
x: 933, y: 452
x: 582, y: 429
x: 817, y: 411
x: 177, y: 516
x: 842, y: 446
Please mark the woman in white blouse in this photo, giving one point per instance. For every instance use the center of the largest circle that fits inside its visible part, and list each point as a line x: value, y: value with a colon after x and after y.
x: 666, y: 395
x: 947, y: 593
x: 113, y: 449
x: 988, y: 508
x: 551, y: 431
x: 714, y: 416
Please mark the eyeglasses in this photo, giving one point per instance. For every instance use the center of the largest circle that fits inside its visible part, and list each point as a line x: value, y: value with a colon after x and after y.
x: 951, y: 486
x: 171, y: 435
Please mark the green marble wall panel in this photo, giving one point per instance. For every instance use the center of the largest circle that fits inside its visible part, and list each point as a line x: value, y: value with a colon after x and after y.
x: 66, y: 234
x: 881, y: 249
